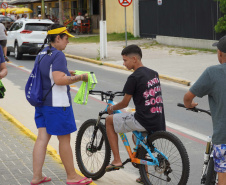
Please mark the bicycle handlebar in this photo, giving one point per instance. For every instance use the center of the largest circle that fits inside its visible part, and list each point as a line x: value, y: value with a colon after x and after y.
x: 195, y: 109
x: 111, y: 94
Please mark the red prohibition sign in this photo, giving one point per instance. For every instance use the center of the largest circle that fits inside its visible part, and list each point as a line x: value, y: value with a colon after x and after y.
x: 125, y: 3
x: 4, y: 5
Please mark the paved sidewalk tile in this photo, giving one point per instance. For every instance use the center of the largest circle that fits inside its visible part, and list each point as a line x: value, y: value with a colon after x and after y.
x: 16, y: 158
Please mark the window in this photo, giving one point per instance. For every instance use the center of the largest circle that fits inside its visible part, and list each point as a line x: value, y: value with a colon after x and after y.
x: 36, y: 27
x: 96, y: 7
x: 16, y: 26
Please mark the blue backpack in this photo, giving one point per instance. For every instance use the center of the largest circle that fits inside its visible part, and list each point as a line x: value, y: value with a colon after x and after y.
x: 33, y: 88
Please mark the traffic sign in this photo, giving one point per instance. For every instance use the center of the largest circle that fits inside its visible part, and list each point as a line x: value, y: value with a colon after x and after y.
x: 4, y: 5
x: 159, y: 2
x: 125, y: 3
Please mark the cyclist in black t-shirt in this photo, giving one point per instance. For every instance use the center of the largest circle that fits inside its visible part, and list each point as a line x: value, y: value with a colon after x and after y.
x: 143, y: 86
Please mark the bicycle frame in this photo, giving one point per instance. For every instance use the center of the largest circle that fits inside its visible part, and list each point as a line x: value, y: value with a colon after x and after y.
x: 141, y: 140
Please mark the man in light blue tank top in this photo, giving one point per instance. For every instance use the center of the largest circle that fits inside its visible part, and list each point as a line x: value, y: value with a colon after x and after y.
x: 213, y: 83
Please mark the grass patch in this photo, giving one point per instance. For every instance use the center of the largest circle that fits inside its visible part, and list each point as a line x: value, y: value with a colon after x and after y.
x: 200, y: 49
x: 110, y: 37
x: 148, y: 45
x: 186, y: 53
x: 174, y: 48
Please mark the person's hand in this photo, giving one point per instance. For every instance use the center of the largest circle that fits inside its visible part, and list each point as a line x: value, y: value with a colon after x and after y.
x: 84, y: 77
x: 72, y: 72
x: 192, y: 105
x: 110, y: 109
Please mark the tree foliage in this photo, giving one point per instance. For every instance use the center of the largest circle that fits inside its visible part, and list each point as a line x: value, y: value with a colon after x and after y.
x: 221, y: 24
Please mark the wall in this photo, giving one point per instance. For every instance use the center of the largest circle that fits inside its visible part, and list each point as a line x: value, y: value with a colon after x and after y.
x: 179, y: 18
x: 115, y: 17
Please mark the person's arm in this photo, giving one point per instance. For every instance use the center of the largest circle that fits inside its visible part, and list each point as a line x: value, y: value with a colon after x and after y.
x: 6, y: 32
x: 61, y: 79
x: 121, y: 105
x: 188, y: 100
x: 3, y: 70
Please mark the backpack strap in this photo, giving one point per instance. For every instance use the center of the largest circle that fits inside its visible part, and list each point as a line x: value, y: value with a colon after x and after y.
x: 43, y: 99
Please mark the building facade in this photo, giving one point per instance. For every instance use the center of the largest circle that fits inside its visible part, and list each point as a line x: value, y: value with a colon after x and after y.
x: 70, y: 8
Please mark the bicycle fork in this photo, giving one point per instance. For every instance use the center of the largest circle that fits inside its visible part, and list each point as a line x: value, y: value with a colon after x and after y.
x: 92, y: 148
x: 206, y: 159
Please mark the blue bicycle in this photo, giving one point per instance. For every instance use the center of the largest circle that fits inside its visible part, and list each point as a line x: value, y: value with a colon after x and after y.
x: 161, y: 157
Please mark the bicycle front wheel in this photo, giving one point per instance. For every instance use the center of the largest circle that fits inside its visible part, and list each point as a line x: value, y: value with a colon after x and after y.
x: 175, y: 170
x: 211, y: 174
x: 93, y: 158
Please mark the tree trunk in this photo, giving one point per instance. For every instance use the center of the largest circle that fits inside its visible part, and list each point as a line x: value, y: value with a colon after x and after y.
x: 43, y: 10
x: 60, y: 12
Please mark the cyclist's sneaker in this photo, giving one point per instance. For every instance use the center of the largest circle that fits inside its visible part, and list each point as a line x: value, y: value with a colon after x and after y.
x: 112, y: 167
x: 6, y: 59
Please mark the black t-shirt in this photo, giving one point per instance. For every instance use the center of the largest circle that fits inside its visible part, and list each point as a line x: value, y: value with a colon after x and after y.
x: 144, y: 86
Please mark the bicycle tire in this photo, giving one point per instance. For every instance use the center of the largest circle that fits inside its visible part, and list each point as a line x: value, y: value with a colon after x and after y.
x: 211, y: 174
x: 156, y: 174
x: 88, y: 162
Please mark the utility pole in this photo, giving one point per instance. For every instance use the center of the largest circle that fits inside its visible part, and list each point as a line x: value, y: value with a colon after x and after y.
x: 60, y: 12
x: 102, y: 10
x: 103, y: 33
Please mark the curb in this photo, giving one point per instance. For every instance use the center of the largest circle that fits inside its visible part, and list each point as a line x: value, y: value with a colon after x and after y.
x: 50, y: 150
x: 165, y: 77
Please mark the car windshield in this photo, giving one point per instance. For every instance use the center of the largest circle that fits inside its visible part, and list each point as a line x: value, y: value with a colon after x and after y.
x: 37, y: 27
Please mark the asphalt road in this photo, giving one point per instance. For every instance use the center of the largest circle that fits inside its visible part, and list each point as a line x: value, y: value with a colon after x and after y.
x: 114, y: 79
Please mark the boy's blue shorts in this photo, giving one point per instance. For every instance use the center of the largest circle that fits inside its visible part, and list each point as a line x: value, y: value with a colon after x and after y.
x: 57, y: 120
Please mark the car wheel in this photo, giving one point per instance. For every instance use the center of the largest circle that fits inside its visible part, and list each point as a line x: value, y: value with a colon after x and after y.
x: 8, y: 53
x: 18, y: 55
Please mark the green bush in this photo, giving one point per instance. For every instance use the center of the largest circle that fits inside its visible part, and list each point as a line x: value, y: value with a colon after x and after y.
x: 221, y: 24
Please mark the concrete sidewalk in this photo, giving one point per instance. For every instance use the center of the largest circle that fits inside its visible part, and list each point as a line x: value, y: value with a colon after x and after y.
x: 16, y: 158
x: 172, y: 62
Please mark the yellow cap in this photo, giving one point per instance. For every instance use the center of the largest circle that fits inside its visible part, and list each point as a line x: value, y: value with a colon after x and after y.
x: 59, y: 31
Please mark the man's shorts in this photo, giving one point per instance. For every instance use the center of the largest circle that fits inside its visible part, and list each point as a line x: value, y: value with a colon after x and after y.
x: 57, y: 120
x: 219, y: 158
x: 3, y: 43
x: 125, y: 122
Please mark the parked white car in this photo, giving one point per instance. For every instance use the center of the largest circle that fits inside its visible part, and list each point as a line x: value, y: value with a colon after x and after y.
x: 26, y: 36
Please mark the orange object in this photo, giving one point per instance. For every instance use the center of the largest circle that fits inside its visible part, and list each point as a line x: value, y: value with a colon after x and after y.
x: 85, y: 27
x: 69, y: 21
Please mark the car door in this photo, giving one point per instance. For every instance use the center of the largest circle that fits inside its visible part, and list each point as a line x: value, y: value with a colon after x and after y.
x: 13, y: 34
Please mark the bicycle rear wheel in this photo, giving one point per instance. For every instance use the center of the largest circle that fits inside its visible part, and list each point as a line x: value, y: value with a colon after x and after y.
x: 175, y: 170
x: 92, y: 160
x: 211, y: 174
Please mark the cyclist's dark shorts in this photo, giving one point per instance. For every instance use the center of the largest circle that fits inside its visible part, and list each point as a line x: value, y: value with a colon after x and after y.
x: 3, y: 43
